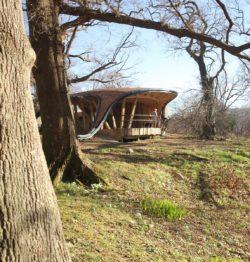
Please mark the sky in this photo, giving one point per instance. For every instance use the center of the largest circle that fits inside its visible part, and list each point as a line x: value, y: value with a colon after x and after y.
x: 153, y: 64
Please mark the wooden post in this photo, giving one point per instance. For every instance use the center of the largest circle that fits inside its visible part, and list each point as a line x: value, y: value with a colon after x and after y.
x: 132, y: 113
x: 123, y: 112
x: 92, y: 113
x: 81, y: 106
x: 86, y: 117
x: 113, y: 120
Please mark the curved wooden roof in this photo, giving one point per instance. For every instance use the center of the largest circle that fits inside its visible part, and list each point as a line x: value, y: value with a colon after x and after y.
x: 108, y: 98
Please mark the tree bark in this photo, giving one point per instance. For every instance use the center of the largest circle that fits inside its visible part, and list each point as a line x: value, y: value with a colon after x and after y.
x: 207, y: 103
x: 208, y: 122
x: 64, y: 159
x: 30, y: 226
x: 207, y: 130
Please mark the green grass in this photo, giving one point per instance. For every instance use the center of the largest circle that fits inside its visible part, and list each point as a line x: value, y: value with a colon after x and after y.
x: 221, y: 259
x: 163, y: 208
x: 233, y: 157
x: 167, y: 176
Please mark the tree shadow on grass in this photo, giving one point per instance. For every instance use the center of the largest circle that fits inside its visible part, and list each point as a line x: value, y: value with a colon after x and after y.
x: 175, y: 159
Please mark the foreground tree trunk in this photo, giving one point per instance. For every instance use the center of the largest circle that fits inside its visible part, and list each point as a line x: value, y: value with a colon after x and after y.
x: 30, y: 226
x: 65, y: 161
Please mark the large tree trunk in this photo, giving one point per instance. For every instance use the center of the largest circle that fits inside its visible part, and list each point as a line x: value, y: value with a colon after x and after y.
x: 207, y: 130
x: 65, y: 161
x: 30, y: 226
x: 207, y: 103
x: 206, y: 111
x: 208, y: 121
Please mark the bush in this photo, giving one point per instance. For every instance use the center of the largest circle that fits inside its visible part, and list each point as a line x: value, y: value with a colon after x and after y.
x: 163, y: 208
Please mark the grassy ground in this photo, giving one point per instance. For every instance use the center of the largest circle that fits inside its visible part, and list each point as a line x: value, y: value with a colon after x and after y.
x: 208, y: 180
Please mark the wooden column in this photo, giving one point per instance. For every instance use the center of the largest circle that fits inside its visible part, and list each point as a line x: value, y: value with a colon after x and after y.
x: 132, y: 113
x: 92, y: 113
x: 86, y: 117
x: 123, y: 112
x: 77, y: 120
x: 113, y: 120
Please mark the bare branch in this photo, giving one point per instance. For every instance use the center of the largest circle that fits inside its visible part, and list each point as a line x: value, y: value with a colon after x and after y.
x: 87, y: 77
x: 119, y: 66
x: 70, y: 41
x: 230, y: 21
x: 74, y: 23
x: 87, y: 13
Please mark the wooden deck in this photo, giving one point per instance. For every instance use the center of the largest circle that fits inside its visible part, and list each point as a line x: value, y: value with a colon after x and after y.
x: 131, y: 133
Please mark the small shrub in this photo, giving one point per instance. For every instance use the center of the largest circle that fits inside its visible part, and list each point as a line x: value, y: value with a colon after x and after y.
x: 96, y: 187
x: 163, y: 208
x: 71, y: 189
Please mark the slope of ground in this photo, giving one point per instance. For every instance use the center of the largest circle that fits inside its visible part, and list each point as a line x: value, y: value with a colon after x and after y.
x: 210, y: 180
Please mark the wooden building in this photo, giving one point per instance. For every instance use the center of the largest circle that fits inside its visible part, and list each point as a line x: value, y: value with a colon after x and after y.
x: 121, y: 113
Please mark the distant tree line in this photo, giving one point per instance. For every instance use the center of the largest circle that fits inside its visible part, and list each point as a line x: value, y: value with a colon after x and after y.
x: 227, y: 123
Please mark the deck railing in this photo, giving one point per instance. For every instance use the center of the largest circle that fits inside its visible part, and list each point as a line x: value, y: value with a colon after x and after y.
x: 143, y: 120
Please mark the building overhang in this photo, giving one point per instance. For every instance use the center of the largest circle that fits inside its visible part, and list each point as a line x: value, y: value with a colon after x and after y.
x: 107, y: 99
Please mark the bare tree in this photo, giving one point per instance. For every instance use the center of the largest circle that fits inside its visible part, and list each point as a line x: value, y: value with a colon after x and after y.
x: 242, y: 121
x: 207, y: 81
x: 59, y: 142
x: 30, y: 225
x: 218, y: 93
x: 158, y: 15
x: 64, y: 158
x: 227, y: 118
x: 229, y: 91
x: 211, y: 64
x: 110, y: 70
x: 188, y: 117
